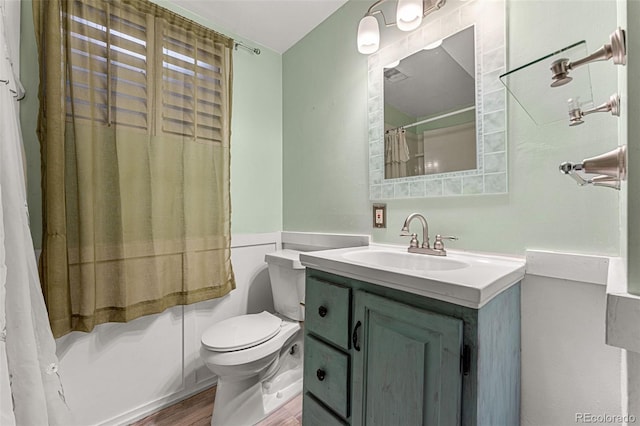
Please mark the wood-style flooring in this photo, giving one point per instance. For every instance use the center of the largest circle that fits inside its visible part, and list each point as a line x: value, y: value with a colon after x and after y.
x: 196, y: 411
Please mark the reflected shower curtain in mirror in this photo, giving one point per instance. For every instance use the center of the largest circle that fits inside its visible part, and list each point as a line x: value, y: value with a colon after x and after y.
x: 135, y: 160
x: 36, y: 395
x: 396, y: 154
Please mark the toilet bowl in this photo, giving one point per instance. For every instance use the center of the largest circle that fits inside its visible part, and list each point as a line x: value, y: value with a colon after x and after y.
x: 258, y: 357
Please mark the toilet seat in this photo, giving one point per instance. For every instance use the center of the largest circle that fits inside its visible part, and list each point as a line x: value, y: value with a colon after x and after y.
x: 241, y: 332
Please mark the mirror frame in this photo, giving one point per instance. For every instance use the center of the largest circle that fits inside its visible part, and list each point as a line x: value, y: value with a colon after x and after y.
x: 490, y: 176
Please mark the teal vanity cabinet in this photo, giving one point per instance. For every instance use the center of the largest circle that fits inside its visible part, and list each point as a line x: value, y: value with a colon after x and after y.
x: 380, y: 356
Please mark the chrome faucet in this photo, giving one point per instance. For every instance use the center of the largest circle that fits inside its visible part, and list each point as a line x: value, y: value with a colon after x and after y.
x: 414, y: 245
x: 404, y: 232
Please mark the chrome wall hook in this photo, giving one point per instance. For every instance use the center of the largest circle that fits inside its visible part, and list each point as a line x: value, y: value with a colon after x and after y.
x: 576, y: 113
x: 616, y: 49
x: 610, y: 169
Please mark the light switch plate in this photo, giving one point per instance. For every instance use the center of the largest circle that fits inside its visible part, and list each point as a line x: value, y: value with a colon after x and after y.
x: 379, y: 215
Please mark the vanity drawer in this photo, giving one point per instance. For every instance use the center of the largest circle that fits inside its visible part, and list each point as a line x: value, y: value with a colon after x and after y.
x: 326, y: 374
x: 327, y: 311
x: 315, y: 414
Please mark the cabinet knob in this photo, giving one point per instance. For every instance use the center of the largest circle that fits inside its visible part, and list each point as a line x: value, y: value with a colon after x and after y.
x: 320, y: 374
x: 322, y: 311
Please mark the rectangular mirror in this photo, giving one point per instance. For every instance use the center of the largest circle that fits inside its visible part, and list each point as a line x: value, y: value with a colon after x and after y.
x: 437, y: 115
x: 430, y: 109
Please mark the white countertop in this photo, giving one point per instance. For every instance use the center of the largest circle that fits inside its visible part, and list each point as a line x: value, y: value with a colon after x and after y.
x: 472, y: 286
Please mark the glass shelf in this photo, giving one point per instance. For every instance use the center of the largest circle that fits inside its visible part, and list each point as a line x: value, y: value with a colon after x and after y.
x: 530, y: 85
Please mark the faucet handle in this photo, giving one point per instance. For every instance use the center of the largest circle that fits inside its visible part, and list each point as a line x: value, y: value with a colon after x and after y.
x: 438, y: 244
x: 414, y: 240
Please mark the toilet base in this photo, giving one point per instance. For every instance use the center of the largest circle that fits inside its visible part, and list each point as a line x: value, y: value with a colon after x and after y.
x: 246, y: 401
x: 273, y: 401
x: 238, y: 402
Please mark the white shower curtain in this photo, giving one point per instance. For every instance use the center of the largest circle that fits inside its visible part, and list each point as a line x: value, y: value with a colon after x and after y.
x: 396, y: 154
x: 25, y: 334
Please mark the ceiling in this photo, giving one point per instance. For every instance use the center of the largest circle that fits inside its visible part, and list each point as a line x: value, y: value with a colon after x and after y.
x: 275, y: 24
x: 434, y: 81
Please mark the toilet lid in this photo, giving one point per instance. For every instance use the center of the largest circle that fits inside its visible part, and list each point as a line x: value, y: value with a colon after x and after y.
x: 241, y: 332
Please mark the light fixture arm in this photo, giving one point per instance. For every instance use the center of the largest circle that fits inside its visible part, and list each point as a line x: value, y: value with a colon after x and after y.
x: 426, y: 4
x: 371, y: 12
x: 409, y: 16
x: 384, y: 19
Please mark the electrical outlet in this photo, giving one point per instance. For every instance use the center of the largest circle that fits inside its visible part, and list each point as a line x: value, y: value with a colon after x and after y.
x: 379, y: 215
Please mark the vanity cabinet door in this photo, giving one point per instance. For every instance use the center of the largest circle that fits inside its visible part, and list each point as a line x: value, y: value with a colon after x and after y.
x: 406, y: 364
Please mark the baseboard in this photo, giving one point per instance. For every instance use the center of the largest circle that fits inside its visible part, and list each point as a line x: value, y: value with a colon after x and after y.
x: 144, y: 410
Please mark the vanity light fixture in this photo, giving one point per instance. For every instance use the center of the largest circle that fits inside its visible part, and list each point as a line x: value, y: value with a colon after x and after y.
x: 409, y: 14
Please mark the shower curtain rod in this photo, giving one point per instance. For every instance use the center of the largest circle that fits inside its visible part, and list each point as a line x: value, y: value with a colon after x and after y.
x: 428, y: 120
x: 254, y: 50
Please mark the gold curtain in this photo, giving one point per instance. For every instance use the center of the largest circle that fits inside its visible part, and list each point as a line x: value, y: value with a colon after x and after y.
x: 134, y: 127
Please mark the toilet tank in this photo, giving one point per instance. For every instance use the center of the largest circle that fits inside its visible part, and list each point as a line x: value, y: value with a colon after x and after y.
x: 287, y: 282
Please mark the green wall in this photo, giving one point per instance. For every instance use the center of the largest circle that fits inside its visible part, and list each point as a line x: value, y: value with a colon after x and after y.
x: 300, y: 141
x: 325, y: 143
x: 395, y: 118
x: 256, y: 133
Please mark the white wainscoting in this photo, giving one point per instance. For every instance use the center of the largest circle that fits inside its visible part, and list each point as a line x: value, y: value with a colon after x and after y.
x: 567, y: 368
x: 121, y: 372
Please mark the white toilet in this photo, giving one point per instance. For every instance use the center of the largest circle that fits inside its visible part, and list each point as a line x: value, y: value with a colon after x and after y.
x: 258, y: 357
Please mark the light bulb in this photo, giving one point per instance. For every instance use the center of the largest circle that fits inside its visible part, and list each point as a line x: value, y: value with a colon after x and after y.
x: 368, y: 35
x: 409, y: 14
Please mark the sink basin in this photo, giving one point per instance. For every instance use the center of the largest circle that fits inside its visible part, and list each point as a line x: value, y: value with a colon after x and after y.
x: 404, y: 260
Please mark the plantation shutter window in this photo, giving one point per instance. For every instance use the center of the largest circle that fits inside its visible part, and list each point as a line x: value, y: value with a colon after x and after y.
x: 134, y: 129
x: 192, y: 88
x: 111, y: 73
